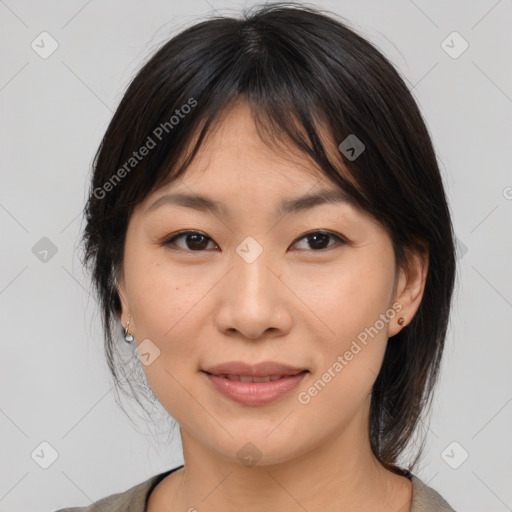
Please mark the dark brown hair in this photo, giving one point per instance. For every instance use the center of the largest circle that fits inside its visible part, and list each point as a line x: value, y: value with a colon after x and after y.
x: 299, y: 68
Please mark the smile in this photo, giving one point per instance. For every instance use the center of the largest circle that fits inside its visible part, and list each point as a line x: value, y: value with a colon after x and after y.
x: 255, y: 391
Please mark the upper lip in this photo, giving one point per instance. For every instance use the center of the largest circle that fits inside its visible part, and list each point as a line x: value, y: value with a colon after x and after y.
x: 263, y: 369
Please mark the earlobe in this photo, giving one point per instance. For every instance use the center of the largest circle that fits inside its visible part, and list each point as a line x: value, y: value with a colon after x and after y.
x: 410, y: 288
x: 128, y: 335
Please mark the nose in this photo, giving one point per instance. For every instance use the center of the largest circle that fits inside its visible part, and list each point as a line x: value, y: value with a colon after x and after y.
x: 255, y: 303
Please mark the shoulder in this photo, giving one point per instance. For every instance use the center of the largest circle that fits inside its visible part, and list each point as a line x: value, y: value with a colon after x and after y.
x: 131, y: 500
x: 426, y: 499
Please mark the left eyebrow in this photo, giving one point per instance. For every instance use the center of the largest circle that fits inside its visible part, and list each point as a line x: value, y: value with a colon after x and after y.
x: 295, y: 205
x: 306, y: 202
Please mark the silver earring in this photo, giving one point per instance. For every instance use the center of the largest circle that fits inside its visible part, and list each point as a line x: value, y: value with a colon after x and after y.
x: 127, y: 335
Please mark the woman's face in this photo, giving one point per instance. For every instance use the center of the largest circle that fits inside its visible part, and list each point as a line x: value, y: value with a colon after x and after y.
x: 251, y: 287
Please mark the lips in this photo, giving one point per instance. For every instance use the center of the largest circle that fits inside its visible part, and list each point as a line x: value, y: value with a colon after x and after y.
x: 236, y: 370
x: 254, y: 385
x: 249, y: 378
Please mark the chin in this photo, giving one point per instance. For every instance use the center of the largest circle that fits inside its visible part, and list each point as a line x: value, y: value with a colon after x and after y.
x: 258, y: 450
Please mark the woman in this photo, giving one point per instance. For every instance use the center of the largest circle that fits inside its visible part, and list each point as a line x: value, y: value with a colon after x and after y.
x: 268, y: 226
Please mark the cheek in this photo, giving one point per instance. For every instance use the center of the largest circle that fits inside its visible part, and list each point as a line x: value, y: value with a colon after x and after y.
x: 165, y: 303
x: 357, y: 295
x: 347, y: 297
x: 161, y: 293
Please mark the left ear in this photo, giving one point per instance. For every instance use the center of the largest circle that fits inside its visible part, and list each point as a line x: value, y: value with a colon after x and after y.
x: 125, y: 309
x: 409, y: 288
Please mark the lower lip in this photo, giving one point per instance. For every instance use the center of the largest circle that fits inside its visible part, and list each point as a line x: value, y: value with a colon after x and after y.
x: 255, y: 393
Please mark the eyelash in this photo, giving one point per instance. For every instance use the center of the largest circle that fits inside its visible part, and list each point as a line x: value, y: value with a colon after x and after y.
x: 170, y: 241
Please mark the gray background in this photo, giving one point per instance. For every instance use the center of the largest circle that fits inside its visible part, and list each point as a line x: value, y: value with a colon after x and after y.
x: 54, y: 385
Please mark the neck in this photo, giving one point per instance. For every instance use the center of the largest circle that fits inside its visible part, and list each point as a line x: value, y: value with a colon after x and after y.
x: 340, y: 474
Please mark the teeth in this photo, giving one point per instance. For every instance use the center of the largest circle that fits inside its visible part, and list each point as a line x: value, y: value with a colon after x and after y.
x: 248, y: 378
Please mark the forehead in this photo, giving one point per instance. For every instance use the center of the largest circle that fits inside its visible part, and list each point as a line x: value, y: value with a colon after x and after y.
x: 237, y: 165
x: 236, y: 147
x: 235, y: 139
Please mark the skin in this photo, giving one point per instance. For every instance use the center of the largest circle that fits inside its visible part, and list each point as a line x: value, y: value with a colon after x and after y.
x: 296, y: 304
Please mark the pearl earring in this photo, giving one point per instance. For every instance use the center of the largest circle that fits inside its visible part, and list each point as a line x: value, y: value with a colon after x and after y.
x: 127, y: 335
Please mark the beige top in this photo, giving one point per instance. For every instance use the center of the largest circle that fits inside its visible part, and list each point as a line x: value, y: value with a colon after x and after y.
x: 424, y: 499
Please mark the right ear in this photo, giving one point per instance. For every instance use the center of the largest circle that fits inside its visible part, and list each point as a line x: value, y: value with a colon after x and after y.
x: 121, y: 289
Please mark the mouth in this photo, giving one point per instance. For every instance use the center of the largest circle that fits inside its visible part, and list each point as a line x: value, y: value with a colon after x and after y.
x: 263, y: 369
x: 254, y: 385
x: 249, y: 378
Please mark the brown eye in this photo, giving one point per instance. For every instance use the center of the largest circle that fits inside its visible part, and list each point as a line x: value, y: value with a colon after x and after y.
x: 194, y: 241
x: 319, y: 240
